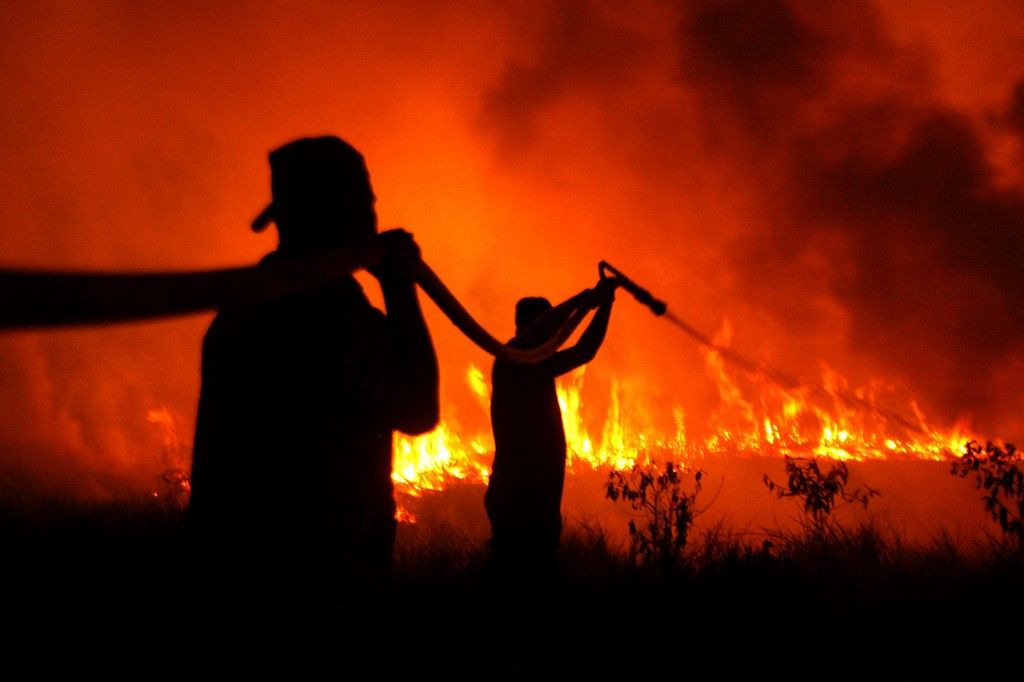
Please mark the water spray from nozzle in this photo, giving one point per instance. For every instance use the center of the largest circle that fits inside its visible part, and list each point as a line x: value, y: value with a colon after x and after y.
x: 752, y: 367
x: 639, y: 293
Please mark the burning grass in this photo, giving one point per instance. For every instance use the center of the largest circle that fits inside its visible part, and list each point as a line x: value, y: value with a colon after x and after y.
x: 761, y: 414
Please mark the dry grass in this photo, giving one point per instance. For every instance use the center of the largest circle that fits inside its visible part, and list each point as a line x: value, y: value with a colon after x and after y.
x: 106, y: 578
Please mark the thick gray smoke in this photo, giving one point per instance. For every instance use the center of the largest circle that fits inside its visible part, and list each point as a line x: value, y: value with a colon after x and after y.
x: 870, y: 205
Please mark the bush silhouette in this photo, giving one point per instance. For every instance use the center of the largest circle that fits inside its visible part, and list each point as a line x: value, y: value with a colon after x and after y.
x: 819, y: 492
x: 999, y: 470
x: 657, y: 492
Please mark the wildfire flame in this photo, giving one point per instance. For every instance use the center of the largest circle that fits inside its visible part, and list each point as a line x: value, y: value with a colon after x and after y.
x: 824, y: 421
x: 828, y: 421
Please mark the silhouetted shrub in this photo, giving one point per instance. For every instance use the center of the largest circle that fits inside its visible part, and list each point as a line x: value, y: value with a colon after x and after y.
x: 819, y: 492
x: 998, y: 470
x: 657, y: 492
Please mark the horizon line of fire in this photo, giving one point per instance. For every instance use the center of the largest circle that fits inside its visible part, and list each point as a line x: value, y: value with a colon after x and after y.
x: 776, y: 424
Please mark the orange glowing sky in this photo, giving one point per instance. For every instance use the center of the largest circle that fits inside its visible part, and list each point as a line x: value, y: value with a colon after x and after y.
x: 843, y: 181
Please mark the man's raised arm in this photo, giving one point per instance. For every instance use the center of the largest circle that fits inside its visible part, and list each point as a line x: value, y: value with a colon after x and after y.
x: 416, y: 402
x: 586, y: 348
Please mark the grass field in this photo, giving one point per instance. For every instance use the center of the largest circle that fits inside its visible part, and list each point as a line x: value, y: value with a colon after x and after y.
x: 98, y: 586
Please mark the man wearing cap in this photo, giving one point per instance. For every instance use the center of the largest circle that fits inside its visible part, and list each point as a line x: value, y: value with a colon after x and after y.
x: 291, y: 480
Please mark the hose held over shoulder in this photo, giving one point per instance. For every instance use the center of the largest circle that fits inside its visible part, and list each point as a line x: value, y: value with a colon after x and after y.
x: 32, y: 299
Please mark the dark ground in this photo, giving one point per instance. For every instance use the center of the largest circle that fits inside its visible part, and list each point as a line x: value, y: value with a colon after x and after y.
x: 109, y: 589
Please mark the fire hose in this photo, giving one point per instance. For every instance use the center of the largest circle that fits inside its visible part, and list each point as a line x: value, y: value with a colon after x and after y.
x: 33, y: 299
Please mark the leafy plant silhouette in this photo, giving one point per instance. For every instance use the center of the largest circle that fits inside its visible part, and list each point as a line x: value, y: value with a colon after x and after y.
x: 819, y: 492
x: 657, y: 492
x: 999, y: 470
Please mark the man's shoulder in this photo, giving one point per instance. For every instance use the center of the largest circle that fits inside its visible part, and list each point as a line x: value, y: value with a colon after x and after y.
x: 340, y: 308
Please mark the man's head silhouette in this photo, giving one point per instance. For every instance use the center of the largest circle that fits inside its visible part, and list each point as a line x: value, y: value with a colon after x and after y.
x: 529, y: 310
x: 321, y: 194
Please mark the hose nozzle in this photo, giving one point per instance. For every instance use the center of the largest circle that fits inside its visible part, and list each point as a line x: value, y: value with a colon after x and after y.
x: 639, y: 293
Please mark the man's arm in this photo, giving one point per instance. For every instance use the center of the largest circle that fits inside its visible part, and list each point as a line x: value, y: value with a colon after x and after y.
x: 416, y: 403
x: 586, y: 348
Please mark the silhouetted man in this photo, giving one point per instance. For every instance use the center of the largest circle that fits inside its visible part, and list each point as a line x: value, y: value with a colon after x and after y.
x: 524, y: 495
x: 291, y: 480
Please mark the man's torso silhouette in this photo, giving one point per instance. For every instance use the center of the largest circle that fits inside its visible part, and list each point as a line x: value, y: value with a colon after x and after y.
x: 524, y: 493
x: 292, y: 489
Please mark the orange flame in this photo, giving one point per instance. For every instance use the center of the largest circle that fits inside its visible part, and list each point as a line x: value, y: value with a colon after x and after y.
x: 828, y: 421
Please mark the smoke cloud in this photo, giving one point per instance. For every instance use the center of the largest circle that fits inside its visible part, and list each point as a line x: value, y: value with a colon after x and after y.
x: 841, y: 181
x: 870, y: 203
